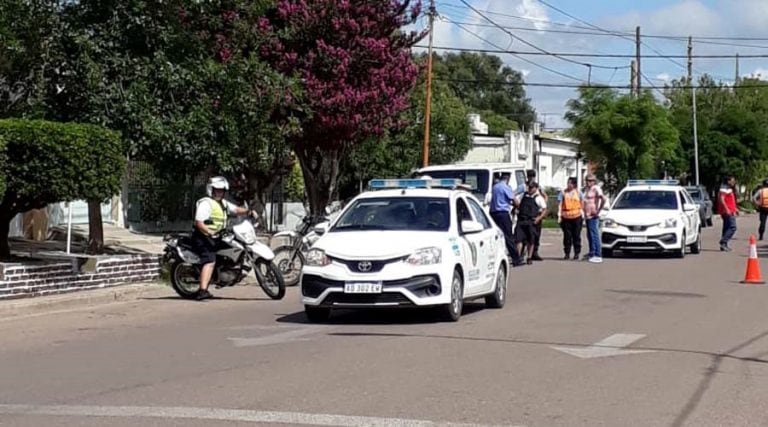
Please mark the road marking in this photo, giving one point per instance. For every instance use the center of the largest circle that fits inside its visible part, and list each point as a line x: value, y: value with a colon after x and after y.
x: 218, y: 414
x: 278, y: 338
x: 611, y: 346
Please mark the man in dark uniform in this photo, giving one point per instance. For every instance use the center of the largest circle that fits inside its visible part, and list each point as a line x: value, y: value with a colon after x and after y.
x: 502, y: 198
x: 531, y: 210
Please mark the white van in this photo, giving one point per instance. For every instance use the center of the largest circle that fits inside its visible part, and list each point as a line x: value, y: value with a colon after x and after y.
x: 479, y: 176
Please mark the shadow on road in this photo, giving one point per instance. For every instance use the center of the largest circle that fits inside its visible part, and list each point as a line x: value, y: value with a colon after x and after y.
x: 381, y: 316
x: 216, y: 297
x: 657, y: 293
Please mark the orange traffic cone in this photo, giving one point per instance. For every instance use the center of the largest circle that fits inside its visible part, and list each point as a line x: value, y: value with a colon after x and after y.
x: 753, y: 275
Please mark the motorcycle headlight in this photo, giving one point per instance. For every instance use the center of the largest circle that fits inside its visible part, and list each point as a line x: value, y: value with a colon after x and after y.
x: 426, y: 256
x: 669, y: 223
x: 609, y: 223
x: 317, y: 258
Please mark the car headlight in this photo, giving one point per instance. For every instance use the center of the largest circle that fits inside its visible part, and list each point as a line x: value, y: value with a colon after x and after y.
x: 670, y: 223
x: 426, y: 256
x: 317, y: 258
x: 609, y: 223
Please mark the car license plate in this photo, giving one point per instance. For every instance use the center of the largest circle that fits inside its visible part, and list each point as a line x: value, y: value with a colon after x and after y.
x: 637, y: 239
x: 362, y: 288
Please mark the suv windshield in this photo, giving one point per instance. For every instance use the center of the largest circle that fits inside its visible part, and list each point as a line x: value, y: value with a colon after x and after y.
x: 396, y: 213
x: 646, y: 199
x: 476, y: 178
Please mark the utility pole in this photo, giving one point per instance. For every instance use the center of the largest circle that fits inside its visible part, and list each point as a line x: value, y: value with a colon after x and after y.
x: 427, y: 112
x: 633, y: 78
x: 589, y: 76
x: 737, y: 68
x: 693, y: 97
x: 637, y: 59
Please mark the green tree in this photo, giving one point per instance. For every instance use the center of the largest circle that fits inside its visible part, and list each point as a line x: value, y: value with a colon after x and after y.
x: 54, y: 162
x: 731, y: 125
x: 489, y: 87
x: 400, y: 151
x: 626, y: 136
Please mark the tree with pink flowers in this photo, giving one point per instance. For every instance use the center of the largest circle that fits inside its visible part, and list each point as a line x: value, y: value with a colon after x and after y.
x: 353, y: 59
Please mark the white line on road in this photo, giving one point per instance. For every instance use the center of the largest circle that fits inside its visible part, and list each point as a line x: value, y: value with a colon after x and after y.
x: 611, y: 346
x: 278, y: 338
x: 217, y: 414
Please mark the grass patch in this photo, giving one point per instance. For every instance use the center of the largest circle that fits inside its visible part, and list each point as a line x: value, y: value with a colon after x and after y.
x: 550, y: 223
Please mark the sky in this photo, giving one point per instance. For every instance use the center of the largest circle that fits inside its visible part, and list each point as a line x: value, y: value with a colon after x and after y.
x: 530, y: 20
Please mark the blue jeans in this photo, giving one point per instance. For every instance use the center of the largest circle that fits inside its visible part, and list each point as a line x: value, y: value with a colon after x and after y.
x: 729, y: 229
x: 593, y: 236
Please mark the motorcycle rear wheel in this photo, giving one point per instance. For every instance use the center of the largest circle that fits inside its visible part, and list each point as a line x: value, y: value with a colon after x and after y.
x: 185, y: 279
x: 269, y: 278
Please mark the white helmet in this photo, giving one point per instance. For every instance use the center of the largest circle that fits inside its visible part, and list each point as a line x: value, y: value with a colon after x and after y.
x: 218, y: 182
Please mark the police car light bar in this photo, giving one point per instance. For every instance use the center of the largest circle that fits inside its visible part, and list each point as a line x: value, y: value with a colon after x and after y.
x: 632, y: 182
x: 381, y: 184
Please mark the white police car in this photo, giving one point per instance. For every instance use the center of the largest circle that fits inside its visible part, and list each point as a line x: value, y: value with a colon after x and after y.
x: 652, y: 216
x: 406, y: 243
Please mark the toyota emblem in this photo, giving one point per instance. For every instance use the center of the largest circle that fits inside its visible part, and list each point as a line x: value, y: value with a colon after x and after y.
x: 364, y: 266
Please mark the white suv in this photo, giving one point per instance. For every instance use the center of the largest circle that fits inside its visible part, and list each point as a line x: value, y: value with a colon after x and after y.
x: 407, y: 243
x: 652, y: 216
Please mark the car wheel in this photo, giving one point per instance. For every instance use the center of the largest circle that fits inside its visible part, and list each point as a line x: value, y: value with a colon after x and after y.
x: 680, y: 253
x: 696, y: 246
x: 317, y: 314
x: 499, y: 296
x: 452, y: 311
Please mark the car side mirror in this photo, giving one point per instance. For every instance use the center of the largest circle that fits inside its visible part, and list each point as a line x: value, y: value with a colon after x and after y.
x: 322, y: 228
x: 689, y: 207
x: 471, y: 227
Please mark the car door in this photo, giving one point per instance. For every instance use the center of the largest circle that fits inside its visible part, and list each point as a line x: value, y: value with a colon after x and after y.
x: 687, y: 216
x: 694, y: 217
x: 474, y: 255
x: 493, y: 244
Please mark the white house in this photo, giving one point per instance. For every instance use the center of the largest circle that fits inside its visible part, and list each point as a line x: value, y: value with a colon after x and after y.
x: 553, y: 156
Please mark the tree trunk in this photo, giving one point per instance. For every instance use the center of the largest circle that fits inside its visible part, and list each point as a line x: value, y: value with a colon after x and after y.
x: 5, y: 229
x: 321, y: 173
x: 95, y: 228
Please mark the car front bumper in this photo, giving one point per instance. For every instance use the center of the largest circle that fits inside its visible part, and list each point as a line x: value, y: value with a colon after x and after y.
x: 422, y: 286
x: 654, y: 239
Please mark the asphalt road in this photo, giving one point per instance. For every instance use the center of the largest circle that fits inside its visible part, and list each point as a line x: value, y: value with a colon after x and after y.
x: 681, y: 342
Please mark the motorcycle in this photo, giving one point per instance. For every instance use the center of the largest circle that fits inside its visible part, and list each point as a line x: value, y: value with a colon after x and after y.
x: 290, y: 258
x: 240, y: 254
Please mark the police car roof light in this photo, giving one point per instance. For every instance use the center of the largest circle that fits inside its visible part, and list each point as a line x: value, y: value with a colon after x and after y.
x: 382, y: 184
x: 632, y: 182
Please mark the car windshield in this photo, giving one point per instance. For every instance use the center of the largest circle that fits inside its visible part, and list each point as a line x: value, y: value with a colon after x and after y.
x: 477, y: 179
x: 396, y: 213
x: 646, y: 199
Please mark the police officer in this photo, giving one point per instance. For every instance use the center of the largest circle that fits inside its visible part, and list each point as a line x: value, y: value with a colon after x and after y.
x: 210, y: 220
x: 530, y: 175
x: 531, y: 210
x: 502, y: 197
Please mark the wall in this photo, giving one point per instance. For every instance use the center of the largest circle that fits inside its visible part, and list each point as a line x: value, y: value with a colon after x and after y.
x: 28, y: 280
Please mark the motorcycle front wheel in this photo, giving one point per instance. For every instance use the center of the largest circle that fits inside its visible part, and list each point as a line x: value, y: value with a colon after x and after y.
x: 269, y: 278
x: 185, y: 279
x: 290, y: 269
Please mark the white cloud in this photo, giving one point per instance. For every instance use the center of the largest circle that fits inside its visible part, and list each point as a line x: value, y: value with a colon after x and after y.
x: 533, y: 10
x: 664, y: 77
x: 759, y: 73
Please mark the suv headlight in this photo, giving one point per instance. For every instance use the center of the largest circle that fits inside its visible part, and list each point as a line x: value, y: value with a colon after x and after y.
x: 426, y: 256
x: 317, y: 258
x: 670, y: 223
x: 609, y: 223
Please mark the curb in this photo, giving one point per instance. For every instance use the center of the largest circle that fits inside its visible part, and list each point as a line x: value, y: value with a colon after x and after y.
x: 81, y: 299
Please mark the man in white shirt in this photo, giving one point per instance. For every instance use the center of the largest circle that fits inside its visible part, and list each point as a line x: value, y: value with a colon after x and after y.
x: 210, y: 219
x: 531, y: 210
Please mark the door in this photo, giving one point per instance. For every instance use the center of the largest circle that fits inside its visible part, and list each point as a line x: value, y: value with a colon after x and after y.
x: 475, y: 258
x: 493, y: 244
x: 693, y: 217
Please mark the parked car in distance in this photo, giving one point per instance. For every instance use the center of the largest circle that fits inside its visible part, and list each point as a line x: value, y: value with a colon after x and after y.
x: 706, y: 207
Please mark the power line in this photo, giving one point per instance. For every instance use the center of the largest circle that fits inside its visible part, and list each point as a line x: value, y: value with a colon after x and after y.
x: 531, y: 44
x: 543, y: 67
x: 608, y: 32
x: 595, y: 55
x: 596, y: 86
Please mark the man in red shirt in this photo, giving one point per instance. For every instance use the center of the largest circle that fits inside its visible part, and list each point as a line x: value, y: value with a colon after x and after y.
x: 728, y: 211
